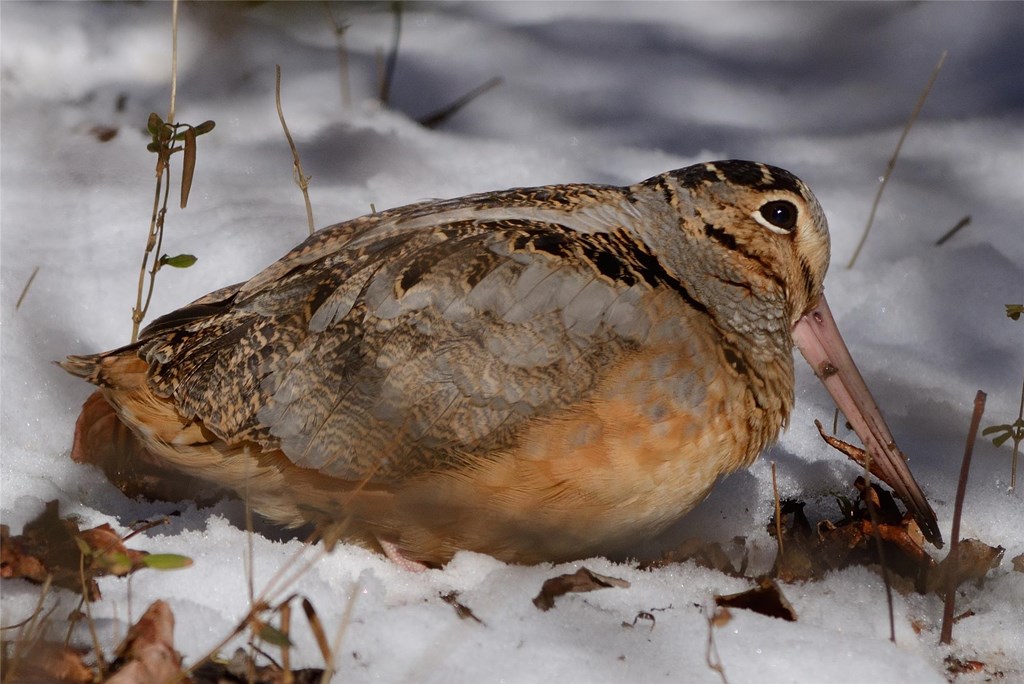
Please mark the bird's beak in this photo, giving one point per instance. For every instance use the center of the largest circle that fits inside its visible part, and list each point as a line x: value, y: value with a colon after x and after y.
x: 818, y: 338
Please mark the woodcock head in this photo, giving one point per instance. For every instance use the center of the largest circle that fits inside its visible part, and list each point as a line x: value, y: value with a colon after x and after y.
x: 755, y: 249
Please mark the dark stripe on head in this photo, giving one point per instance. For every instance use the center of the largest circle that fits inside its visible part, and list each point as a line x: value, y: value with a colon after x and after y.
x: 759, y: 176
x: 691, y: 176
x: 728, y: 241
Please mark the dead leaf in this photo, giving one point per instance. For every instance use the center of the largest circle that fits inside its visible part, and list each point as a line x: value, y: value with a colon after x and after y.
x: 51, y: 546
x: 242, y: 668
x: 1018, y: 563
x: 47, y: 662
x: 148, y: 651
x: 721, y: 617
x: 642, y: 615
x: 582, y: 580
x: 962, y: 666
x: 104, y: 133
x: 705, y: 554
x: 766, y: 598
x: 464, y: 613
x: 850, y: 540
x: 974, y: 560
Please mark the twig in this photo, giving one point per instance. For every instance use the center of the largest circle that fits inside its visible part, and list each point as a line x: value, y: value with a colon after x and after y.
x: 778, y: 512
x: 965, y: 221
x: 392, y: 62
x: 895, y: 155
x: 952, y: 570
x: 24, y: 290
x: 880, y: 549
x: 342, y: 49
x: 174, y: 60
x: 711, y: 656
x: 301, y: 179
x: 440, y: 116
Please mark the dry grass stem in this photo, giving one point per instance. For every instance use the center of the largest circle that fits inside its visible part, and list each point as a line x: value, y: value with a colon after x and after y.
x: 439, y: 117
x: 895, y: 155
x: 778, y: 512
x: 388, y: 74
x: 869, y: 501
x: 330, y: 666
x: 339, y: 42
x: 24, y: 290
x: 711, y: 656
x: 948, y: 607
x: 965, y: 221
x: 301, y: 179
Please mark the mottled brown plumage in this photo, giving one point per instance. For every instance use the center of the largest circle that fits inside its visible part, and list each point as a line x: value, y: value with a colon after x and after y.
x: 540, y: 373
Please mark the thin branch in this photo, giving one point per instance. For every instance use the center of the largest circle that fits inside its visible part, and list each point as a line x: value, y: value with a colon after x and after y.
x: 880, y: 549
x: 301, y: 179
x: 174, y: 60
x: 965, y: 221
x: 389, y: 67
x: 778, y: 513
x: 339, y: 43
x: 24, y: 290
x: 953, y: 569
x: 895, y: 155
x: 439, y: 117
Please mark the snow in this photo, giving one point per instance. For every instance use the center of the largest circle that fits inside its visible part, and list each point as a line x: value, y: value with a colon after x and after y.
x: 592, y: 93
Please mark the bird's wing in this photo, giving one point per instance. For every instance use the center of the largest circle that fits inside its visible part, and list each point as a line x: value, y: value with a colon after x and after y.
x: 397, y: 343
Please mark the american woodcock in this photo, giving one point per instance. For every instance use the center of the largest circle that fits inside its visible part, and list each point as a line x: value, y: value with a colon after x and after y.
x: 538, y: 374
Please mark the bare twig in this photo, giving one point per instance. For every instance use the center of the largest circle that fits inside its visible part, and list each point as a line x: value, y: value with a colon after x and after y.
x: 339, y: 43
x: 778, y: 512
x: 174, y: 60
x: 440, y: 116
x: 965, y: 221
x: 711, y: 656
x: 301, y: 179
x: 392, y: 61
x: 895, y: 155
x: 24, y: 290
x: 954, y: 544
x: 880, y: 549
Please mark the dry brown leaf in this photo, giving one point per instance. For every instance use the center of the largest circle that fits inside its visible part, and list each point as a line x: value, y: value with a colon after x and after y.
x: 51, y: 546
x: 464, y: 613
x: 850, y: 540
x: 1018, y: 563
x: 974, y: 560
x: 47, y: 662
x: 766, y: 598
x: 580, y: 581
x: 148, y: 651
x: 705, y: 554
x: 242, y: 668
x: 963, y: 666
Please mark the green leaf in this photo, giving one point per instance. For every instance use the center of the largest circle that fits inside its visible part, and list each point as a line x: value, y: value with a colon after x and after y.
x: 154, y: 124
x: 1014, y: 311
x: 178, y: 261
x: 83, y: 546
x: 166, y: 561
x: 205, y: 127
x: 272, y: 635
x: 995, y: 428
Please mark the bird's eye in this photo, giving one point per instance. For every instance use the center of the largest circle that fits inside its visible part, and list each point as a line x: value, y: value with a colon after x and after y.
x: 780, y: 215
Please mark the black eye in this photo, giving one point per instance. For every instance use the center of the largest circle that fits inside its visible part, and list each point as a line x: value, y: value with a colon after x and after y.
x: 780, y: 213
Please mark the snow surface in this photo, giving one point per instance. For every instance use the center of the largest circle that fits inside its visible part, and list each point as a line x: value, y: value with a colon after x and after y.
x: 592, y: 93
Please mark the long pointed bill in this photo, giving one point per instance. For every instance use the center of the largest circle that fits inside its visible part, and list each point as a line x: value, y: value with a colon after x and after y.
x: 818, y: 338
